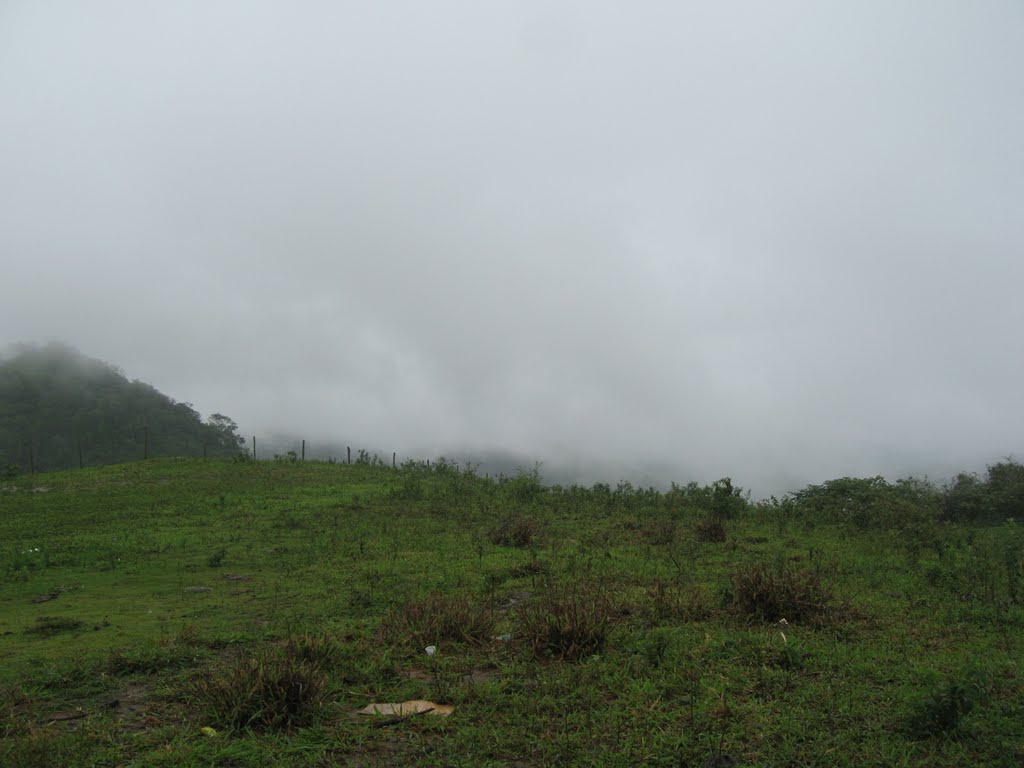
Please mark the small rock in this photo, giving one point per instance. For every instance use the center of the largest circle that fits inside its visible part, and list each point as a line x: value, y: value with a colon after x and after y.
x: 198, y: 589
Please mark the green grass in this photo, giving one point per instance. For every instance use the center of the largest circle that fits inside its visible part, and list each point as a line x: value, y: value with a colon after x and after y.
x: 141, y: 603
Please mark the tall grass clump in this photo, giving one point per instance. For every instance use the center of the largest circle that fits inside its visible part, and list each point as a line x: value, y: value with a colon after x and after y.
x: 438, y: 618
x: 569, y: 620
x: 778, y: 589
x: 275, y: 690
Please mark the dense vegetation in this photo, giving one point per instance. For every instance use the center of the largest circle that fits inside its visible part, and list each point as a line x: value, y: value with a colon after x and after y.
x: 60, y: 409
x: 240, y: 613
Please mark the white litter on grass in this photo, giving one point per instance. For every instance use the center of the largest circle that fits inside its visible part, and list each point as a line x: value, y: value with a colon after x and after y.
x: 406, y: 708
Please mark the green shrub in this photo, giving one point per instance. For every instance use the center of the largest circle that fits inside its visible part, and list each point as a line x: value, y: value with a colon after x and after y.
x: 721, y: 498
x: 1005, y: 482
x: 870, y: 502
x: 966, y: 499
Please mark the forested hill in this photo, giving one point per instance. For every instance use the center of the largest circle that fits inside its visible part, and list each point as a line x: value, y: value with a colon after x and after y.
x: 59, y: 407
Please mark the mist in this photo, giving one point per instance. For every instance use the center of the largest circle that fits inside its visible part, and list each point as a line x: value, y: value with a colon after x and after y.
x: 661, y: 241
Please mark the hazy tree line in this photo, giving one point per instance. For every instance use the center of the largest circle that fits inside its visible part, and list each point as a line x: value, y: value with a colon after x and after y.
x: 59, y: 408
x: 994, y: 497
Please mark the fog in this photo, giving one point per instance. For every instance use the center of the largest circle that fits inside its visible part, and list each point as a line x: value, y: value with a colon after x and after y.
x: 668, y: 241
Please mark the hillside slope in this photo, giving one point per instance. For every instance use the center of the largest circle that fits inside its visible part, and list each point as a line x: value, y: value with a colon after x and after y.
x: 59, y: 408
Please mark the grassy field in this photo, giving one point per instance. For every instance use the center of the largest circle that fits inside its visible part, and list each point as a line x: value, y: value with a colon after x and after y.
x: 239, y: 613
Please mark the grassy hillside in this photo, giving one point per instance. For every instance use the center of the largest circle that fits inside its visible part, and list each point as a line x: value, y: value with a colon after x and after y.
x: 61, y: 409
x: 267, y: 602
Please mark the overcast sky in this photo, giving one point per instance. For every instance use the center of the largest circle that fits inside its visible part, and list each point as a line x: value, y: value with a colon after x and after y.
x: 779, y: 241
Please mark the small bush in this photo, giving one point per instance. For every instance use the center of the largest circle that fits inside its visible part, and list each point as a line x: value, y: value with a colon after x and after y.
x: 569, y: 621
x: 780, y: 590
x: 274, y: 690
x: 439, y: 618
x: 515, y: 532
x: 710, y: 529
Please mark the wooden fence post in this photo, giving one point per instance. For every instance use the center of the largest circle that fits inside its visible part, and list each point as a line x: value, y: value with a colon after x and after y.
x: 349, y: 454
x: 303, y: 450
x: 394, y: 454
x: 254, y: 447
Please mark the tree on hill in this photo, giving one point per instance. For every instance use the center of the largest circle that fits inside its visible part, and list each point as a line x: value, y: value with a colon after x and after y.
x: 58, y: 406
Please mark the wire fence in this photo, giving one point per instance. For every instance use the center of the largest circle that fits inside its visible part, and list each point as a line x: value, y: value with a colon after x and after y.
x: 61, y: 452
